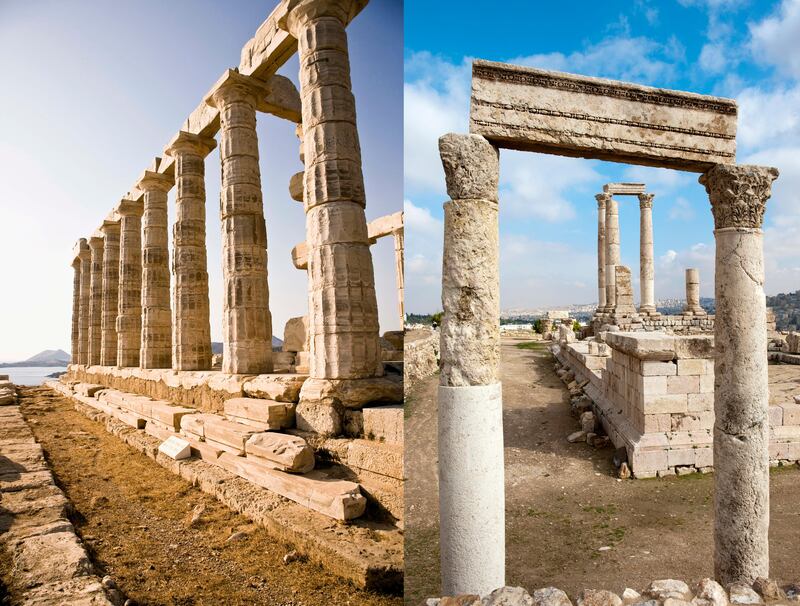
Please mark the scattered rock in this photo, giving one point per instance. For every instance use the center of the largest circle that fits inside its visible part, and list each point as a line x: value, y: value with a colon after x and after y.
x: 620, y: 456
x: 676, y: 602
x: 98, y: 501
x: 712, y: 592
x: 768, y: 589
x: 669, y: 588
x: 290, y: 557
x: 460, y: 600
x: 588, y: 422
x: 590, y: 438
x: 630, y: 596
x: 624, y: 472
x: 236, y: 536
x: 578, y: 436
x: 109, y: 583
x: 601, y: 441
x: 742, y: 594
x: 506, y: 596
x: 550, y: 596
x: 598, y: 597
x: 197, y: 515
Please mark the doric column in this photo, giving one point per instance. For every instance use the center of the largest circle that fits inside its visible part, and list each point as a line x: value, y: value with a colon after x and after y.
x: 693, y: 307
x: 741, y: 392
x: 191, y: 337
x: 76, y: 311
x: 129, y: 314
x: 612, y: 252
x: 156, y: 346
x: 95, y: 300
x: 400, y: 276
x: 343, y: 309
x: 471, y: 478
x: 108, y: 345
x: 85, y: 300
x: 601, y: 251
x: 647, y: 303
x: 246, y: 321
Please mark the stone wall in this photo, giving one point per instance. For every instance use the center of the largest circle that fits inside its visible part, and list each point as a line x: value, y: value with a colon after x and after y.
x: 421, y: 355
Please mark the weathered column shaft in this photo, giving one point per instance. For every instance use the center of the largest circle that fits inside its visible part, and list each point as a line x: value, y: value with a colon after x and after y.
x: 400, y: 276
x: 612, y: 251
x: 76, y: 311
x: 246, y: 322
x: 108, y: 346
x: 156, y: 345
x: 343, y: 309
x: 741, y: 390
x: 191, y: 337
x: 95, y: 300
x: 129, y: 314
x: 692, y: 289
x: 601, y: 251
x: 471, y: 476
x: 646, y: 264
x: 85, y: 298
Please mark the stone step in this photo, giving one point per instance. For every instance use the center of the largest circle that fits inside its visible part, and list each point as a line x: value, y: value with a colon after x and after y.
x: 194, y: 424
x: 87, y: 389
x: 169, y: 414
x: 268, y: 414
x: 227, y: 433
x: 281, y: 451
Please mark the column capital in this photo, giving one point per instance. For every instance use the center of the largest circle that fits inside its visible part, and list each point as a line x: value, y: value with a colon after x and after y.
x: 299, y: 12
x: 233, y: 86
x: 80, y: 250
x: 130, y: 208
x: 190, y: 142
x: 471, y: 167
x: 602, y: 199
x: 153, y: 181
x: 96, y: 241
x: 646, y: 201
x: 110, y: 227
x: 738, y: 193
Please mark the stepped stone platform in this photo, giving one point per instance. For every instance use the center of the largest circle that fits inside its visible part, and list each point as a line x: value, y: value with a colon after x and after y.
x: 294, y: 507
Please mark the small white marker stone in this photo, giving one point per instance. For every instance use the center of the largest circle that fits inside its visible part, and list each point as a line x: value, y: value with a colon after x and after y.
x: 175, y: 448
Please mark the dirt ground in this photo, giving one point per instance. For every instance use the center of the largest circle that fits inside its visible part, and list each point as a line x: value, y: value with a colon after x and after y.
x: 563, y: 503
x: 133, y: 516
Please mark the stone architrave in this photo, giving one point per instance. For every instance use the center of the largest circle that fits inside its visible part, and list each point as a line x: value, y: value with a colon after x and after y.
x: 601, y: 251
x: 246, y: 321
x: 156, y: 347
x: 471, y: 479
x: 76, y: 311
x: 108, y: 346
x: 84, y: 258
x: 191, y: 337
x: 738, y: 197
x: 647, y: 305
x: 612, y: 252
x: 343, y: 310
x: 96, y: 248
x: 565, y: 114
x: 129, y: 314
x: 693, y: 307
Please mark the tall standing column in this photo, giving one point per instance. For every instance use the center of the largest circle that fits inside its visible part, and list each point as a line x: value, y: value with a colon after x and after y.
x: 129, y: 313
x: 693, y: 307
x: 191, y: 337
x: 400, y: 276
x: 601, y: 251
x: 86, y: 273
x: 76, y: 311
x: 246, y: 320
x: 108, y: 345
x: 647, y: 304
x: 156, y: 346
x: 741, y: 392
x: 471, y: 475
x: 343, y: 309
x: 95, y: 300
x: 612, y: 252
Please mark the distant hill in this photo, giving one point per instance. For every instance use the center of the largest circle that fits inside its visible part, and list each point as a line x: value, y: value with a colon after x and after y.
x: 787, y: 310
x: 48, y: 357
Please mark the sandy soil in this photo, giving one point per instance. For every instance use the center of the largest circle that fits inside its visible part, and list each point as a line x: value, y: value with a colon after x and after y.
x: 134, y: 517
x: 563, y: 502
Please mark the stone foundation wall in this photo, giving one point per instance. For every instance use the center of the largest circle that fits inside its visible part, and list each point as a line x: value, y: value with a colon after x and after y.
x: 421, y: 355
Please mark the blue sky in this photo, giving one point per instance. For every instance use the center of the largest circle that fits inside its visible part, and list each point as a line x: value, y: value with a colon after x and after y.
x: 94, y: 90
x: 745, y: 49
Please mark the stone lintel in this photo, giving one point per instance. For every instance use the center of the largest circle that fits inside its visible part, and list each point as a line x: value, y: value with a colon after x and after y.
x: 80, y: 250
x: 151, y: 180
x: 186, y: 140
x: 277, y: 95
x: 573, y: 115
x: 624, y: 189
x: 385, y: 226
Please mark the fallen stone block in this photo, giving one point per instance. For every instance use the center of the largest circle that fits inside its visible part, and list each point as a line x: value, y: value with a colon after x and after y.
x: 169, y: 414
x: 228, y: 433
x: 194, y: 424
x: 88, y: 389
x: 175, y: 448
x: 281, y: 451
x: 130, y: 418
x: 270, y: 414
x: 278, y: 387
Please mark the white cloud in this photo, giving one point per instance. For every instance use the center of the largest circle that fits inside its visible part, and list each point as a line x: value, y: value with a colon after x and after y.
x: 670, y: 274
x: 768, y: 117
x: 681, y: 210
x: 660, y: 181
x: 713, y: 57
x: 776, y: 39
x: 419, y: 220
x: 423, y: 263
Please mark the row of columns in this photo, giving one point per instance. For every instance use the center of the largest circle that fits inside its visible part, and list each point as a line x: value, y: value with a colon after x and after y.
x: 608, y: 253
x: 471, y: 484
x: 131, y: 283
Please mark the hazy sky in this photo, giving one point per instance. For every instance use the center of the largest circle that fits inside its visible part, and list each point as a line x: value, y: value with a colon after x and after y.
x: 745, y: 49
x: 94, y: 90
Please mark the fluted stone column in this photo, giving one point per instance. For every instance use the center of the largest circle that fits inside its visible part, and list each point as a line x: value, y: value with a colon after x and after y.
x: 75, y: 357
x: 129, y: 314
x: 343, y: 309
x: 95, y: 300
x: 191, y: 337
x: 647, y: 303
x: 612, y: 252
x: 108, y: 345
x: 741, y: 391
x: 601, y: 251
x: 693, y: 307
x: 471, y: 475
x: 246, y: 321
x: 156, y: 346
x: 84, y: 257
x: 399, y: 273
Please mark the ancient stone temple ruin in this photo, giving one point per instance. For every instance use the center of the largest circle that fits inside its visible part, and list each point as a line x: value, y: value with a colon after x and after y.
x: 318, y: 422
x: 710, y: 393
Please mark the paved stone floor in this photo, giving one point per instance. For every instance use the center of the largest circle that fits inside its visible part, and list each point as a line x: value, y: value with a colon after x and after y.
x: 563, y: 503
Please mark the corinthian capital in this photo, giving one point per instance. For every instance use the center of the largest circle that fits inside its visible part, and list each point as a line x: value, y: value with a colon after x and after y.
x: 738, y: 193
x: 602, y: 199
x: 646, y: 200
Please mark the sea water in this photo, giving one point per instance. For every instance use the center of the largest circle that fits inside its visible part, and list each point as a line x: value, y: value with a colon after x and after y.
x: 30, y: 375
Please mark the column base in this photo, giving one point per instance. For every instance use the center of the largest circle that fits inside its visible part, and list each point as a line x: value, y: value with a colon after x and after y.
x: 649, y: 311
x: 694, y: 311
